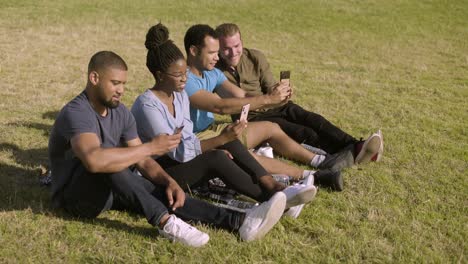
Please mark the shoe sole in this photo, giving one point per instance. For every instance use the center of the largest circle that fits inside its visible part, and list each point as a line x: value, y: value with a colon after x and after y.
x: 381, y: 148
x: 203, y: 240
x: 294, y: 214
x: 277, y: 204
x: 202, y: 243
x: 369, y: 149
x: 305, y: 196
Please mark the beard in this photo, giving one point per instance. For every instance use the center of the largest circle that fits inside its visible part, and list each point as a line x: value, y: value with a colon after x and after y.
x: 110, y: 103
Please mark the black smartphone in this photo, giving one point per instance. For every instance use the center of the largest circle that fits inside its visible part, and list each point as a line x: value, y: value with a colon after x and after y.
x: 284, y: 76
x: 178, y: 129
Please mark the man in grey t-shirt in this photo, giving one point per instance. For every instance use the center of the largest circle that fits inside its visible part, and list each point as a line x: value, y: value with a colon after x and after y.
x: 94, y: 142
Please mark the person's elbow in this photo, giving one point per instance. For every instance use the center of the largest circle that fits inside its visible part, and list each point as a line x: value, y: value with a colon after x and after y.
x: 224, y: 110
x: 92, y: 166
x: 92, y: 163
x: 218, y: 108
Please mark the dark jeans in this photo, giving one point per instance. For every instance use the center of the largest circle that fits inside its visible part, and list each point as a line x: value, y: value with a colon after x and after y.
x: 307, y: 127
x: 89, y: 194
x: 240, y: 174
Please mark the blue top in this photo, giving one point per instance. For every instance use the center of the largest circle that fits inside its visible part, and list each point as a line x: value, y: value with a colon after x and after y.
x: 153, y: 118
x: 211, y: 80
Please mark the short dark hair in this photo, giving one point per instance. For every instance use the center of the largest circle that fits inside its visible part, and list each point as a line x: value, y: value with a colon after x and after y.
x: 227, y: 30
x: 161, y: 50
x: 196, y: 34
x: 106, y: 59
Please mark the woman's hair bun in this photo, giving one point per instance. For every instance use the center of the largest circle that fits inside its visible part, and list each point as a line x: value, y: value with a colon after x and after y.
x: 157, y: 35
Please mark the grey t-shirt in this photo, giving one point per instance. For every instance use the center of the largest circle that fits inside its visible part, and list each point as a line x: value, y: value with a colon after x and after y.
x: 79, y: 117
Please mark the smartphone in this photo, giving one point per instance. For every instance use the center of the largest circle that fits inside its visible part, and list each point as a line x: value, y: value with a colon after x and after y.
x: 244, y: 112
x: 178, y: 129
x: 284, y: 76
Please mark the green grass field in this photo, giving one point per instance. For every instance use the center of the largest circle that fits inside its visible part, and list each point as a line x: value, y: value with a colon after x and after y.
x: 401, y: 66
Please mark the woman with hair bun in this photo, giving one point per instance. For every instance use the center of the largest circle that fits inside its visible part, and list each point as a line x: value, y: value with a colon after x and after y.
x: 164, y: 109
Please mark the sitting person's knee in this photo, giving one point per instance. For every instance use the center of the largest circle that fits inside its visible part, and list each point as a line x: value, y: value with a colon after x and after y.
x: 216, y: 155
x: 274, y: 128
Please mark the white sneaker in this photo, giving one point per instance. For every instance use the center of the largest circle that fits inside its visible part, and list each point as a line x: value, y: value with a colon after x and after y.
x: 299, y: 194
x: 260, y: 219
x: 369, y: 148
x: 309, y: 179
x: 295, y: 211
x: 176, y: 229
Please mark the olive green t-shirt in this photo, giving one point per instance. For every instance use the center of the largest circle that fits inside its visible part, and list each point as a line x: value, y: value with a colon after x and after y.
x: 252, y: 74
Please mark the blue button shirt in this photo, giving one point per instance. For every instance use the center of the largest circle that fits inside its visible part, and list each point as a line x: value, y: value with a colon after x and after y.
x: 153, y: 118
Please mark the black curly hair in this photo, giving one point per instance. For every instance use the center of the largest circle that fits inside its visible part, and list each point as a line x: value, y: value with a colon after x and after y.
x: 195, y: 36
x: 161, y: 50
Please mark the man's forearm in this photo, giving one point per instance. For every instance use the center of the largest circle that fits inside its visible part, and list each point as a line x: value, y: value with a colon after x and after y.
x: 102, y: 160
x: 154, y: 172
x: 213, y: 143
x: 234, y: 105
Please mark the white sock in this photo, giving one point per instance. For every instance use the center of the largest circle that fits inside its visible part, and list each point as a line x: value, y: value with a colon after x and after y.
x: 316, y: 160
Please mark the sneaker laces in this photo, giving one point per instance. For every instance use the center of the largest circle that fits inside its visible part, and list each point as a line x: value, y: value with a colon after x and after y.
x: 174, y: 228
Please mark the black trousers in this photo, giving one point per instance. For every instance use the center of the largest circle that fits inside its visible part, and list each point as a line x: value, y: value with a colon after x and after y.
x: 89, y: 194
x: 307, y: 127
x: 240, y: 173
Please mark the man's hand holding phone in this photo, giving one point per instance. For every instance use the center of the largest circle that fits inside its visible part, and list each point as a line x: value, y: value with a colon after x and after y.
x: 234, y: 130
x: 163, y: 143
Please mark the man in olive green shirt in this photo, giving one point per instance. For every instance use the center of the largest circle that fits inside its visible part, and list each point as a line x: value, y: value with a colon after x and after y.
x: 249, y: 70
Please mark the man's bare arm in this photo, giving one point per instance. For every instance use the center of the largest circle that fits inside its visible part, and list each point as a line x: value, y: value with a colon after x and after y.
x: 211, y: 102
x: 87, y: 147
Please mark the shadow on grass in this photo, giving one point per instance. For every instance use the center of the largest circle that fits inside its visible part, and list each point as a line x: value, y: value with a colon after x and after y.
x: 52, y: 115
x: 39, y: 126
x: 26, y: 157
x: 20, y: 188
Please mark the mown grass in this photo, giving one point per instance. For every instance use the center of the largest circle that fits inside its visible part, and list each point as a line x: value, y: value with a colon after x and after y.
x: 396, y: 65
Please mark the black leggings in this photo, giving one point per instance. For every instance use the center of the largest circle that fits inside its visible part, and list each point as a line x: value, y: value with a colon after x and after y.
x: 241, y: 173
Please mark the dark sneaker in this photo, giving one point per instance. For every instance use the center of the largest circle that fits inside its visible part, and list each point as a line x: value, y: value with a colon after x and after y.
x: 314, y: 149
x: 367, y: 150
x: 329, y: 178
x: 339, y: 160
